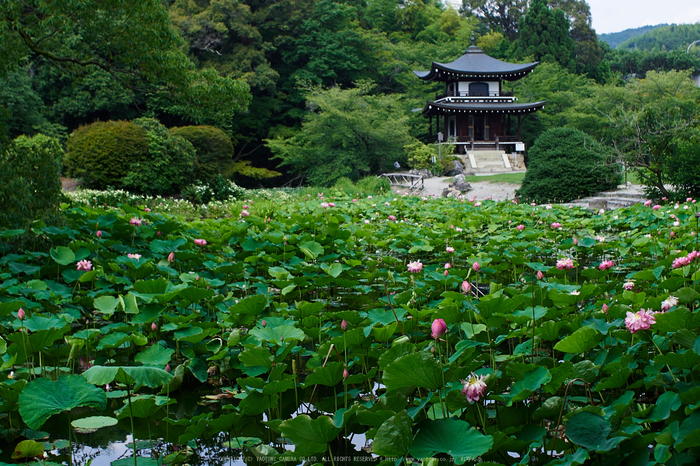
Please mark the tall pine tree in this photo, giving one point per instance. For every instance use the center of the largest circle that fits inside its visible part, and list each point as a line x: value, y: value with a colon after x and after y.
x: 544, y: 35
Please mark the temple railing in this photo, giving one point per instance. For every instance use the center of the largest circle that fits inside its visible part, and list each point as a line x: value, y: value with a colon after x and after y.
x: 474, y: 94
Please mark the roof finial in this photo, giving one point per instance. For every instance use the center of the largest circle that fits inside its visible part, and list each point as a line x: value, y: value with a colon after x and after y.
x: 472, y: 38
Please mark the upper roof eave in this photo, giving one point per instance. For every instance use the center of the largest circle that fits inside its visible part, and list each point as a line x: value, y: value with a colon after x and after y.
x: 432, y: 108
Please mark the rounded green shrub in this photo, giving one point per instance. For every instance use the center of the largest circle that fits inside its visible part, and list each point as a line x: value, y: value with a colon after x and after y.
x: 140, y: 156
x: 102, y: 153
x: 168, y: 165
x: 567, y: 164
x: 213, y: 149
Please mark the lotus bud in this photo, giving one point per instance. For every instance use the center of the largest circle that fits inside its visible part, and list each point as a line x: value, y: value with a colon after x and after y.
x: 445, y: 273
x: 167, y: 367
x: 605, y: 308
x: 540, y: 275
x: 21, y: 315
x: 171, y: 257
x: 466, y: 286
x: 264, y: 324
x: 346, y: 374
x: 575, y: 241
x: 476, y: 267
x: 154, y: 327
x: 344, y: 325
x: 160, y: 233
x: 99, y: 233
x: 438, y: 328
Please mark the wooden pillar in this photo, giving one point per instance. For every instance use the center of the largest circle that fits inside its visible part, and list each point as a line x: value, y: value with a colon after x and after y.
x: 520, y: 139
x: 430, y: 129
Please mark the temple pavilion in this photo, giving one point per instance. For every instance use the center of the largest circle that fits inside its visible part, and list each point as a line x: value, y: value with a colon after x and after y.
x: 475, y: 113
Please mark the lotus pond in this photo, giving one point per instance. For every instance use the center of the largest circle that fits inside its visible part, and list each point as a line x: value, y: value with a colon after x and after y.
x: 299, y: 336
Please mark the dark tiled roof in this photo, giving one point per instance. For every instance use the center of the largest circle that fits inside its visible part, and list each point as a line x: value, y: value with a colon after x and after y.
x: 432, y: 108
x: 475, y: 63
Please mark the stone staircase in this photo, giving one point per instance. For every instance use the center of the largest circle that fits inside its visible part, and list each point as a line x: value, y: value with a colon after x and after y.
x: 623, y: 197
x: 487, y: 161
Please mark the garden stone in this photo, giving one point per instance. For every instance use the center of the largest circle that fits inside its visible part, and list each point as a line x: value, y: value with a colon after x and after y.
x: 458, y: 169
x: 460, y: 183
x: 423, y: 172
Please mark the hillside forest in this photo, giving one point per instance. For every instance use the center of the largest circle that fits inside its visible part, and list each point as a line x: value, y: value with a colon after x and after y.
x: 308, y: 91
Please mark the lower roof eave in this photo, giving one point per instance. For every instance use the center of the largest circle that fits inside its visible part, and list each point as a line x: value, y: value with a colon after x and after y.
x: 435, y: 108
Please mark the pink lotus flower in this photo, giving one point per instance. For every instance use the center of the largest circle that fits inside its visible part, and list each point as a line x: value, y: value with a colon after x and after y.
x: 647, y: 203
x: 147, y: 209
x: 344, y: 325
x: 565, y: 264
x: 447, y: 266
x: 640, y: 320
x: 200, y: 242
x: 540, y: 275
x: 449, y: 249
x: 21, y: 315
x: 134, y: 256
x: 520, y: 227
x: 605, y: 265
x: 415, y: 267
x: 629, y: 286
x: 681, y: 262
x: 324, y: 205
x: 438, y: 328
x: 244, y: 213
x: 656, y: 207
x: 556, y: 225
x: 171, y: 257
x: 99, y: 233
x: 474, y: 387
x: 135, y: 221
x: 605, y: 308
x: 476, y: 266
x: 331, y: 204
x: 84, y: 265
x: 392, y: 218
x: 668, y: 303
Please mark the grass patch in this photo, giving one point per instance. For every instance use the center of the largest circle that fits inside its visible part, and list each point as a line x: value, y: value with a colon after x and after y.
x: 515, y: 178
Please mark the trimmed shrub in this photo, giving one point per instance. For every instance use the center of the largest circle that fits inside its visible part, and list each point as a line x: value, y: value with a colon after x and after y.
x: 566, y: 164
x: 213, y: 149
x: 420, y: 156
x: 139, y: 156
x: 30, y: 181
x: 102, y: 153
x: 168, y: 165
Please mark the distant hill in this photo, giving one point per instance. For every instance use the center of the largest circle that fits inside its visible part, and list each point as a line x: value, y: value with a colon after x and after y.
x: 616, y: 38
x: 668, y: 37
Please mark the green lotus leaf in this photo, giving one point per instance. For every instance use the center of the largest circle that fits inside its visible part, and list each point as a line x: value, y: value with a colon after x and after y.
x: 413, y: 370
x: 88, y: 425
x: 580, y: 341
x: 42, y: 398
x: 28, y: 449
x: 330, y: 375
x: 143, y: 406
x: 62, y: 255
x: 588, y: 430
x: 309, y: 435
x: 155, y: 355
x: 311, y: 249
x: 395, y: 436
x: 451, y: 436
x: 136, y: 376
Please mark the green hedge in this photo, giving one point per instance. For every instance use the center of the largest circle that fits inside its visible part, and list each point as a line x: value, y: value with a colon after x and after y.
x: 214, y: 151
x: 566, y: 164
x: 30, y: 182
x: 140, y: 156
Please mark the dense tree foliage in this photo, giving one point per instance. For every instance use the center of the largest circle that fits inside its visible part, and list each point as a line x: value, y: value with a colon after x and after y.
x: 651, y: 122
x: 346, y: 133
x: 245, y: 67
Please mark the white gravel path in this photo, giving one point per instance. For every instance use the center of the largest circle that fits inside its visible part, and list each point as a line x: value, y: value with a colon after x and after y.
x: 482, y: 189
